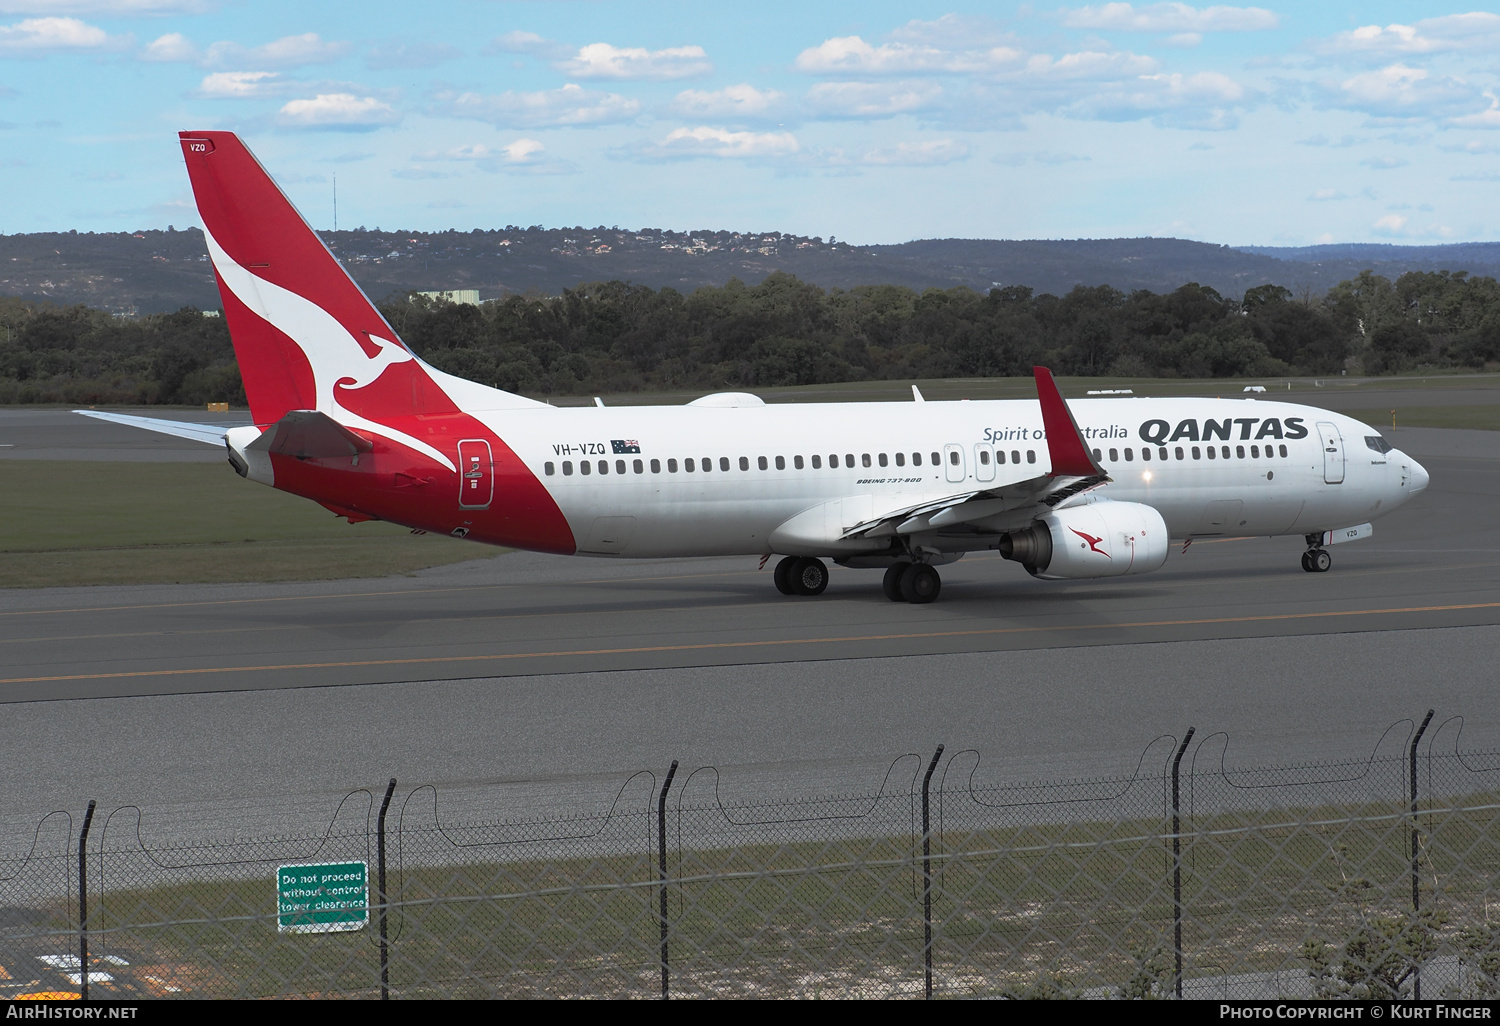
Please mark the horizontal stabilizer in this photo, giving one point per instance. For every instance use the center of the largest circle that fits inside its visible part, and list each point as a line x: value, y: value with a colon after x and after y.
x: 213, y: 434
x: 308, y: 434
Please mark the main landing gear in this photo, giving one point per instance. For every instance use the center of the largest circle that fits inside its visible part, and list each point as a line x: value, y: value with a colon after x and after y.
x: 1316, y: 559
x: 911, y: 582
x: 801, y: 575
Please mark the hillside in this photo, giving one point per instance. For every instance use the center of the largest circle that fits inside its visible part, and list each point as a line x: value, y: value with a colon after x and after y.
x: 156, y: 271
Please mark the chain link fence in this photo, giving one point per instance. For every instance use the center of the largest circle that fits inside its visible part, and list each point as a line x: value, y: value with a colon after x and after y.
x: 1374, y: 878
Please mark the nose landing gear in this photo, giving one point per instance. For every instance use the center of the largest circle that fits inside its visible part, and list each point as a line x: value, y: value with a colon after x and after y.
x: 1316, y: 560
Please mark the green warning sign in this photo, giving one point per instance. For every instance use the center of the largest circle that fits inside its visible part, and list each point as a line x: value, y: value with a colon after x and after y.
x: 322, y: 897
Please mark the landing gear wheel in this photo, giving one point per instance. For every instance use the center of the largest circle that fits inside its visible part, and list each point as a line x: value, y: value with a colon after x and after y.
x: 892, y: 583
x: 1307, y: 562
x: 809, y: 576
x: 1319, y: 560
x: 783, y: 575
x: 920, y: 584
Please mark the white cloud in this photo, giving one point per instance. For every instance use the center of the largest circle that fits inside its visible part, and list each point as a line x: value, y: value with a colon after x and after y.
x: 908, y: 154
x: 173, y: 47
x: 287, y: 52
x: 337, y: 111
x: 1326, y: 195
x: 1202, y: 101
x: 37, y: 36
x: 410, y: 55
x: 1477, y: 30
x: 954, y: 31
x: 719, y: 142
x: 1383, y: 163
x: 601, y: 60
x: 1400, y: 91
x: 1484, y: 119
x: 1184, y: 39
x: 570, y: 106
x: 240, y: 85
x: 871, y: 99
x: 521, y: 151
x: 528, y: 42
x: 851, y: 55
x: 1390, y: 224
x: 741, y: 101
x: 113, y: 8
x: 1170, y: 17
x: 1088, y: 64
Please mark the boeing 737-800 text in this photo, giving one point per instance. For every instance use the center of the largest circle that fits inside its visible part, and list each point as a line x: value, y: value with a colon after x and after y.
x: 346, y: 415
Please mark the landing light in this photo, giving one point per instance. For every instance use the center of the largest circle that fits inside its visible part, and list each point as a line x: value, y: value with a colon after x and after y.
x: 1146, y: 476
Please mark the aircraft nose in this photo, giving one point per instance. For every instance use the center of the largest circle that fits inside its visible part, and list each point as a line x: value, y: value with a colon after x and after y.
x: 1419, y: 478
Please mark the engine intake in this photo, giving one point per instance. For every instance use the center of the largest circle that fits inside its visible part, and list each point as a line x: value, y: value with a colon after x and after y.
x: 1099, y: 539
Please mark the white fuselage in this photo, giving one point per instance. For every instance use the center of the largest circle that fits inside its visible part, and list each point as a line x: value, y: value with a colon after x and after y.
x: 1265, y: 468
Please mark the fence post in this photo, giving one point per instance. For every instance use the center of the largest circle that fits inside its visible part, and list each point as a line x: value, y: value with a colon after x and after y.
x: 1416, y: 898
x: 927, y: 870
x: 83, y: 902
x: 1177, y: 860
x: 385, y: 954
x: 661, y: 868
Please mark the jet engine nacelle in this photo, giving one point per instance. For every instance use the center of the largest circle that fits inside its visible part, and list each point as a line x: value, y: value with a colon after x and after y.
x: 1099, y: 539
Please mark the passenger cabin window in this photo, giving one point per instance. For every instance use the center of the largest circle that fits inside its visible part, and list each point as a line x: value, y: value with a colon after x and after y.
x: 1030, y: 455
x: 833, y: 460
x: 1283, y: 450
x: 656, y: 466
x: 1239, y: 452
x: 1196, y: 454
x: 1015, y: 455
x: 1145, y: 454
x: 744, y: 462
x: 780, y: 462
x: 638, y: 467
x: 672, y: 466
x: 817, y: 462
x: 953, y: 457
x: 916, y: 459
x: 883, y: 460
x: 1179, y: 453
x: 796, y: 462
x: 865, y: 459
x: 761, y: 462
x: 984, y: 457
x: 724, y: 463
x: 900, y: 459
x: 585, y: 467
x: 1098, y: 456
x: 937, y: 460
x: 567, y: 468
x: 849, y: 460
x: 620, y: 466
x: 1129, y: 455
x: 999, y: 455
x: 1114, y: 455
x: 687, y: 465
x: 549, y: 469
x: 1211, y: 453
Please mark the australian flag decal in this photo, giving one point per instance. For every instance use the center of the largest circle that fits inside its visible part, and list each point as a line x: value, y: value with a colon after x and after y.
x: 622, y: 446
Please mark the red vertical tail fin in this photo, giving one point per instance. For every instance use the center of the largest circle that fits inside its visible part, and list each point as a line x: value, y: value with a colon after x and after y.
x: 304, y: 333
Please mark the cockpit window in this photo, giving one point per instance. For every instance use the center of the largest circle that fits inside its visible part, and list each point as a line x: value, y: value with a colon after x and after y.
x: 1377, y: 443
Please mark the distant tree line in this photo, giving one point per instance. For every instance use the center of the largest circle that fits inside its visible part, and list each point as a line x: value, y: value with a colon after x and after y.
x: 617, y: 337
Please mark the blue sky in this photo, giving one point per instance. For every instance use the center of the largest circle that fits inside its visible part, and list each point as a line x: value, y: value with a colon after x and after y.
x: 872, y: 121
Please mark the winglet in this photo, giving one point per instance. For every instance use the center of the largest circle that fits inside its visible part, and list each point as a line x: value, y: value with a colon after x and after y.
x: 1065, y: 445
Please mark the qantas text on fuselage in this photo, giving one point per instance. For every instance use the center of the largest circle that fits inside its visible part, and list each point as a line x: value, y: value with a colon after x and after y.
x: 347, y: 416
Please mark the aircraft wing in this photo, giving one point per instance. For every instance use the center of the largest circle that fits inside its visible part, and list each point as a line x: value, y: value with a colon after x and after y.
x: 1073, y: 472
x: 213, y: 434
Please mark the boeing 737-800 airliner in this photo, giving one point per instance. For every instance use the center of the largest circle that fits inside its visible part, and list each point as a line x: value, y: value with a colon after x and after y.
x: 346, y: 415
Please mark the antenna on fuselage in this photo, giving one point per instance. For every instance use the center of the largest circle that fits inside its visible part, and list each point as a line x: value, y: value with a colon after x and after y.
x: 916, y: 395
x: 598, y: 402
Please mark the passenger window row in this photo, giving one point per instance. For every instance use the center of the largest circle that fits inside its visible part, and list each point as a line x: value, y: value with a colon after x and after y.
x: 1196, y: 452
x: 706, y: 464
